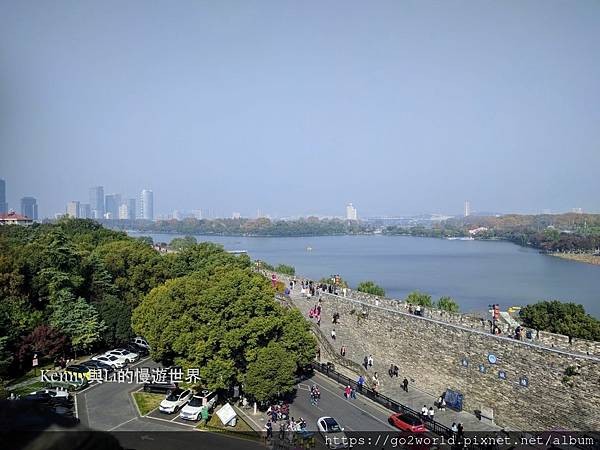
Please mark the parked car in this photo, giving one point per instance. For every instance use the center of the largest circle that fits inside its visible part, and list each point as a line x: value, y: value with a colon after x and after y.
x: 193, y: 409
x: 127, y: 355
x: 142, y: 351
x: 77, y: 371
x: 112, y: 360
x: 140, y: 342
x: 47, y: 399
x: 175, y: 400
x: 160, y: 388
x: 406, y: 422
x: 332, y: 432
x: 96, y: 364
x: 53, y: 393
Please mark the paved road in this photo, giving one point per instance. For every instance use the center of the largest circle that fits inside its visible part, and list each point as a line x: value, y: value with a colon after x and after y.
x: 354, y: 415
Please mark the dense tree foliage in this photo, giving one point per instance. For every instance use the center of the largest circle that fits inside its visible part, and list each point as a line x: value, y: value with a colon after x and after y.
x: 370, y: 287
x: 220, y: 319
x: 447, y: 304
x: 76, y: 283
x: 285, y: 269
x: 183, y: 243
x: 568, y: 319
x: 419, y: 299
x: 311, y: 226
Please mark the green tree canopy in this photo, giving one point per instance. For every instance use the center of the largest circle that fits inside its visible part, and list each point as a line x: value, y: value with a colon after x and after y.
x: 448, y: 304
x: 218, y: 321
x: 369, y: 287
x: 288, y: 270
x: 271, y: 374
x: 179, y: 244
x: 555, y: 316
x: 420, y: 299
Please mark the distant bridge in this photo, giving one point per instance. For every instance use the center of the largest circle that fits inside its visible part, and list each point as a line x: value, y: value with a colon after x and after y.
x: 237, y: 252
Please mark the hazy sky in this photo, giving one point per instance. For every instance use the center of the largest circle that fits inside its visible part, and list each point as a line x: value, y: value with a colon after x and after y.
x: 300, y: 107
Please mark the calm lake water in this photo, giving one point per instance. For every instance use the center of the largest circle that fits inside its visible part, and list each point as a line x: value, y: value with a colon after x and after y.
x: 474, y: 273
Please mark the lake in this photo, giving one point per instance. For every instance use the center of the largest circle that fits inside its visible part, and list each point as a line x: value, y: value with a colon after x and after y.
x: 474, y: 273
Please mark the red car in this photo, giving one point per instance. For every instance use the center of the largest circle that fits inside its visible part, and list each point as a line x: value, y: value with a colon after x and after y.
x: 406, y: 422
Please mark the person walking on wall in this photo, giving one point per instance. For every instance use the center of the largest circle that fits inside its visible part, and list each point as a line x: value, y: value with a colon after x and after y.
x: 366, y: 363
x: 333, y: 334
x: 370, y: 360
x: 405, y: 385
x: 431, y: 413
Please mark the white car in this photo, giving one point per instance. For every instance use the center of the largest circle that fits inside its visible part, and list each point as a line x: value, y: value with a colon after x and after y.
x: 193, y: 409
x: 332, y: 432
x: 140, y: 342
x: 175, y: 401
x: 125, y: 354
x: 112, y: 360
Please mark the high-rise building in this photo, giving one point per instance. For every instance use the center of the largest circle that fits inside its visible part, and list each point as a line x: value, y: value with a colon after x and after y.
x: 577, y: 210
x: 351, y: 213
x: 147, y: 204
x: 123, y: 211
x: 29, y: 208
x: 85, y: 211
x: 97, y: 202
x: 111, y: 205
x: 467, y: 208
x: 236, y: 215
x: 73, y: 209
x: 131, y: 210
x: 3, y: 204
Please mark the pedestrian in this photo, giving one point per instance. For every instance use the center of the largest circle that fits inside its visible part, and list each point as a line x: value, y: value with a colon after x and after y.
x: 333, y: 334
x: 396, y: 371
x: 366, y: 363
x: 319, y: 320
x: 441, y: 403
x: 360, y: 382
x: 370, y: 360
x: 454, y: 428
x: 460, y: 430
x: 347, y: 391
x: 269, y: 428
x: 343, y: 350
x: 391, y: 371
x: 405, y: 384
x: 431, y: 413
x: 353, y: 393
x: 281, y: 431
x: 424, y: 411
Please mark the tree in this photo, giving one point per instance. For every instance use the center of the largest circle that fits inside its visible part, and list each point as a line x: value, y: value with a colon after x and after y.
x: 288, y: 270
x: 116, y: 315
x: 448, y: 304
x: 555, y: 316
x: 271, y: 374
x: 369, y: 287
x: 420, y: 299
x: 44, y: 340
x: 218, y: 320
x: 179, y: 244
x: 77, y: 319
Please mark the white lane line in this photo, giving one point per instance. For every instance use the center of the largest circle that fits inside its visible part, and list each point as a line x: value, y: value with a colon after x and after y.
x: 168, y: 421
x: 121, y: 424
x: 76, y: 409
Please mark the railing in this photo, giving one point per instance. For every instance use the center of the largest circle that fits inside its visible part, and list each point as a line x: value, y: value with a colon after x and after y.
x: 387, y: 402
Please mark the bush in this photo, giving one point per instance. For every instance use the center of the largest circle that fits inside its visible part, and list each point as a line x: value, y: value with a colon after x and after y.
x: 369, y: 287
x: 288, y: 270
x: 448, y: 304
x: 420, y: 299
x: 568, y: 319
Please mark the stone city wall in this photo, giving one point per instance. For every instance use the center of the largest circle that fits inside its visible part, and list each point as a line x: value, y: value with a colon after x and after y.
x: 528, y: 386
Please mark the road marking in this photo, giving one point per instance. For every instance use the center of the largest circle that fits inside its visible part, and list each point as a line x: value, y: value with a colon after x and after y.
x: 168, y: 421
x: 303, y: 387
x: 76, y: 410
x: 117, y: 426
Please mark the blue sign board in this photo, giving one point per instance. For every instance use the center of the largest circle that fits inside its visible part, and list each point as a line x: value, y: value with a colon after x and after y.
x: 454, y: 399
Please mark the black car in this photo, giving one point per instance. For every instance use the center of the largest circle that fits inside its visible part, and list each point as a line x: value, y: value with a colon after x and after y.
x: 47, y: 399
x: 137, y: 349
x: 160, y: 388
x: 92, y: 363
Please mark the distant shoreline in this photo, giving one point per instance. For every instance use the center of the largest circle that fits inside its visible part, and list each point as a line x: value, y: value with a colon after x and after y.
x: 578, y: 257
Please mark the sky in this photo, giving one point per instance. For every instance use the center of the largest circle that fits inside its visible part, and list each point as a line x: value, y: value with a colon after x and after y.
x: 295, y: 108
